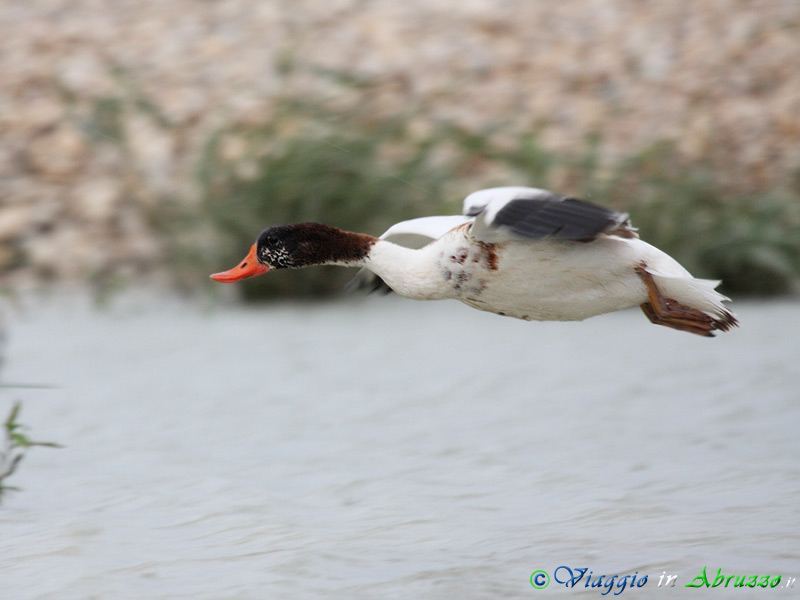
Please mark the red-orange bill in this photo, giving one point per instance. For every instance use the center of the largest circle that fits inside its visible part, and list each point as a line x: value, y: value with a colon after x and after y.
x: 249, y: 267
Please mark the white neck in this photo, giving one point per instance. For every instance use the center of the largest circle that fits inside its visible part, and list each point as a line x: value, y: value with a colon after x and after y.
x: 410, y: 273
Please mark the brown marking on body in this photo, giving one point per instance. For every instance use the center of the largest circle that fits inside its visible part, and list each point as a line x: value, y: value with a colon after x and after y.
x: 490, y: 251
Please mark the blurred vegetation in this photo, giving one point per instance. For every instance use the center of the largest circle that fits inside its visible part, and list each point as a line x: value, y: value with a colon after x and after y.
x: 363, y: 174
x: 336, y: 177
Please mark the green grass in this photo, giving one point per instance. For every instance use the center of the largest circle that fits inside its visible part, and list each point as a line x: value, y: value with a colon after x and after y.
x: 354, y: 170
x: 749, y: 241
x: 341, y: 178
x: 362, y: 174
x: 13, y: 446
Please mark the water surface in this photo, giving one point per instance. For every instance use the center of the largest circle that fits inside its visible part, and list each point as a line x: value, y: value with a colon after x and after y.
x: 383, y: 448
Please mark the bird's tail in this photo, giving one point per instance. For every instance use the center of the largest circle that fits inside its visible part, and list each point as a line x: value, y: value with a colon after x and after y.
x: 697, y: 293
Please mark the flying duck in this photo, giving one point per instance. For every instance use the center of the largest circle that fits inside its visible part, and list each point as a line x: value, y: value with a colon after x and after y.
x: 515, y: 251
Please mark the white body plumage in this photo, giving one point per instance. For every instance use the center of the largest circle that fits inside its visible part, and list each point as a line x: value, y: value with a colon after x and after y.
x: 545, y: 280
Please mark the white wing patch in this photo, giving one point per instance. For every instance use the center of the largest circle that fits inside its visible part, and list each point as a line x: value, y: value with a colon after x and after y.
x: 416, y: 233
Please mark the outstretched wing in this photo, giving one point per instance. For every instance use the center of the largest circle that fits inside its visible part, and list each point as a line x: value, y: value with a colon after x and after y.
x: 507, y: 213
x: 535, y: 214
x: 414, y: 233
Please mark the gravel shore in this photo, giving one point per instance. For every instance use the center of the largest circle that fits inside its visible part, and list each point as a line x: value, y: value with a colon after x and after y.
x: 720, y: 79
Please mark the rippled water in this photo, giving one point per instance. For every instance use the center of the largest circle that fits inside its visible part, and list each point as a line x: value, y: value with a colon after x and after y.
x: 382, y: 448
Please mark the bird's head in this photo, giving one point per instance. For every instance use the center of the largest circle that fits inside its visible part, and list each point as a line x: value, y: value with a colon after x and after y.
x: 296, y: 246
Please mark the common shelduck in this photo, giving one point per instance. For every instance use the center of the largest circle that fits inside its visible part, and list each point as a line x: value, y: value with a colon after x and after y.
x: 516, y: 251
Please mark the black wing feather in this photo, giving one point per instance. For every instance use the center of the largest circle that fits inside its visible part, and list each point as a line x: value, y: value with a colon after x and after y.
x: 368, y: 282
x: 557, y: 217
